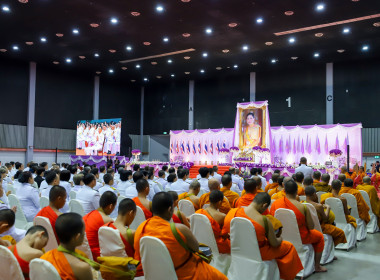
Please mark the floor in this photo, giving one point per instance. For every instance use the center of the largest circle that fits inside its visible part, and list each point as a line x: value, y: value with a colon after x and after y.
x: 361, y: 263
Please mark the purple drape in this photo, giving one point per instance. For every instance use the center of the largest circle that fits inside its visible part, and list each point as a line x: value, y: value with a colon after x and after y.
x: 318, y: 146
x: 337, y: 142
x: 302, y: 147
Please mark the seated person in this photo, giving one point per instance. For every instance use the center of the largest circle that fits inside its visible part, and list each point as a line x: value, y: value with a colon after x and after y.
x: 88, y: 197
x: 57, y: 199
x: 373, y: 197
x: 217, y: 220
x: 70, y: 231
x: 189, y: 265
x: 363, y: 208
x: 205, y: 174
x: 213, y: 184
x: 316, y: 177
x: 131, y: 191
x: 28, y: 196
x: 181, y: 185
x: 125, y: 217
x: 308, y: 181
x: 162, y: 179
x: 191, y: 195
x: 299, y: 177
x: 343, y: 170
x: 30, y: 247
x: 271, y: 246
x: 97, y: 218
x: 178, y: 216
x: 342, y: 177
x: 323, y: 186
x: 279, y: 192
x: 143, y: 188
x: 305, y: 222
x: 359, y: 178
x: 108, y: 183
x: 274, y: 183
x: 7, y: 220
x: 250, y: 187
x: 51, y: 179
x: 78, y: 182
x: 326, y: 217
x: 226, y: 189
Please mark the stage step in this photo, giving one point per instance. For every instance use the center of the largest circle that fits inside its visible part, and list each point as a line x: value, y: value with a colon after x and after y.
x: 194, y: 170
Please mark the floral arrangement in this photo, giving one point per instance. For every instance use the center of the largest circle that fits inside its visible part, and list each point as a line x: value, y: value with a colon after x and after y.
x: 234, y: 149
x: 136, y: 152
x: 186, y: 165
x: 243, y: 159
x: 335, y: 153
x: 260, y: 150
x: 224, y: 151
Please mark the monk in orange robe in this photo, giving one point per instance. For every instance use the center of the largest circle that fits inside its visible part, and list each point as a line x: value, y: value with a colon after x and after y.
x: 188, y: 265
x: 226, y: 189
x: 30, y: 248
x: 326, y: 217
x: 274, y: 184
x: 217, y: 220
x: 271, y: 247
x: 299, y: 177
x: 358, y: 180
x: 375, y: 178
x: 97, y: 218
x: 316, y: 177
x: 323, y: 186
x: 191, y: 195
x: 343, y: 170
x: 213, y: 184
x: 363, y: 208
x: 280, y: 186
x: 142, y: 187
x: 336, y: 186
x: 126, y: 215
x: 70, y: 231
x: 305, y: 223
x: 373, y: 197
x: 178, y: 216
x: 57, y: 199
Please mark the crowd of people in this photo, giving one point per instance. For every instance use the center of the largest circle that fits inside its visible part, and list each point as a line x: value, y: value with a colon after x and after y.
x: 219, y: 197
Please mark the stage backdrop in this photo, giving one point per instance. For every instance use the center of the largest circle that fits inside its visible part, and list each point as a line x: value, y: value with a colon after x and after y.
x: 289, y: 143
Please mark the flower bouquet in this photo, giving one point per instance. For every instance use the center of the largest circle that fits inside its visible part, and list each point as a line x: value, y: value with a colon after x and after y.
x: 136, y: 154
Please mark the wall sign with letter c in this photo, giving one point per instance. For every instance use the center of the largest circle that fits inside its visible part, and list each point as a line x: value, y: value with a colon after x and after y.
x: 329, y: 97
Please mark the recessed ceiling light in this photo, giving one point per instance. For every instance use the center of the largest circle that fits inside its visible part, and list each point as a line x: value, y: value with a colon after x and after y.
x: 292, y: 40
x: 166, y: 39
x: 158, y: 77
x: 316, y: 54
x: 135, y: 14
x: 3, y: 50
x: 254, y: 63
x: 245, y: 48
x: 147, y: 43
x: 96, y: 55
x: 110, y: 71
x: 15, y: 48
x: 29, y: 43
x: 225, y: 50
x: 98, y: 72
x: 218, y: 68
x: 133, y: 81
x: 76, y: 31
x: 365, y: 48
x: 346, y: 30
x: 112, y: 51
x: 56, y: 62
x: 94, y: 25
x: 202, y: 71
x: 232, y: 24
x: 205, y: 54
x: 294, y: 57
x: 170, y: 61
x: 186, y: 57
x: 138, y: 66
x: 124, y: 68
x: 186, y: 35
x: 145, y: 79
x: 159, y: 8
x: 114, y: 20
x: 5, y: 9
x: 172, y: 75
x: 208, y: 30
x: 376, y: 24
x: 43, y: 39
x: 273, y: 60
x: 59, y: 34
x: 129, y: 48
x: 320, y: 7
x: 82, y: 57
x: 68, y: 60
x: 341, y: 51
x: 259, y: 20
x: 319, y: 34
x: 269, y: 43
x: 187, y: 73
x: 289, y: 13
x: 154, y: 63
x: 235, y: 66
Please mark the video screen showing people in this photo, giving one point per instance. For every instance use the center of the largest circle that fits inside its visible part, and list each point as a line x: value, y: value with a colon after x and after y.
x: 251, y: 128
x: 98, y: 137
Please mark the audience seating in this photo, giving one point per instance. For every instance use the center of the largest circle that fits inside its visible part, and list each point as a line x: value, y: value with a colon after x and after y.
x: 186, y: 207
x: 21, y: 221
x: 201, y: 228
x: 52, y: 243
x: 361, y: 230
x: 319, y: 194
x: 42, y: 269
x: 110, y: 243
x: 290, y: 232
x: 85, y: 248
x: 139, y: 218
x: 336, y: 206
x: 11, y: 188
x: 329, y: 250
x: 9, y: 267
x: 76, y: 207
x: 44, y: 201
x: 156, y: 260
x: 246, y: 261
x: 372, y: 226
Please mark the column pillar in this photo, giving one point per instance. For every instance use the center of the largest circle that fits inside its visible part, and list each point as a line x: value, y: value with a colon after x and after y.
x: 31, y: 112
x: 96, y: 99
x: 252, y: 86
x: 329, y: 93
x: 142, y: 120
x: 191, y: 105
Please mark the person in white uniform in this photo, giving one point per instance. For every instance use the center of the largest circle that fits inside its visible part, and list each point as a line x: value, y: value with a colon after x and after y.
x: 78, y: 182
x: 216, y: 175
x: 161, y: 179
x: 181, y: 186
x: 203, y: 181
x: 108, y: 183
x: 236, y: 179
x: 95, y: 172
x: 124, y: 181
x: 87, y: 196
x: 131, y: 191
x: 306, y: 170
x: 28, y: 196
x: 153, y: 185
x: 51, y: 179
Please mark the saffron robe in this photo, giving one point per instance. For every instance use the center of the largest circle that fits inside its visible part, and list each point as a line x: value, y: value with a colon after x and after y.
x: 49, y: 213
x: 374, y: 199
x: 270, y: 186
x: 93, y: 221
x: 148, y: 214
x: 224, y: 207
x: 351, y: 220
x: 24, y: 265
x: 363, y: 208
x: 187, y: 197
x: 128, y: 247
x: 230, y: 195
x: 322, y: 187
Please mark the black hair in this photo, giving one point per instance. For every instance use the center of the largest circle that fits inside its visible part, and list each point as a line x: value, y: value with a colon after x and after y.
x: 250, y: 113
x: 204, y: 171
x: 68, y: 225
x: 40, y: 170
x: 141, y: 185
x: 110, y: 170
x: 216, y: 196
x: 250, y: 185
x: 161, y: 202
x: 65, y: 175
x: 174, y: 195
x: 280, y: 179
x: 181, y: 173
x: 171, y: 170
x: 226, y: 180
x: 24, y: 178
x: 125, y: 206
x: 102, y: 168
x: 317, y: 175
x: 55, y: 192
x: 164, y: 168
x: 275, y: 177
x: 88, y: 178
x: 262, y: 198
x: 18, y: 165
x: 161, y: 173
x: 50, y: 177
x: 336, y: 184
x: 38, y: 228
x: 171, y: 178
x: 308, y: 181
x: 299, y: 177
x: 348, y: 183
x: 107, y: 178
x: 107, y: 198
x: 43, y: 164
x: 136, y: 167
x: 8, y: 216
x: 310, y: 190
x: 137, y: 176
x: 123, y: 175
x: 291, y: 187
x: 94, y: 171
x: 253, y: 171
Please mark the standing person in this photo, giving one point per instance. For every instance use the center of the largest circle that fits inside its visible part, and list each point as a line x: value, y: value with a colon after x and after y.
x: 306, y: 170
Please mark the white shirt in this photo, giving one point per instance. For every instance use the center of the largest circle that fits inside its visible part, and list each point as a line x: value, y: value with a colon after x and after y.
x: 106, y: 188
x: 131, y: 192
x: 162, y: 182
x: 43, y: 186
x: 89, y: 199
x: 218, y: 177
x: 101, y: 175
x: 238, y: 181
x: 76, y: 188
x: 306, y: 170
x: 204, y: 184
x: 180, y: 186
x: 154, y: 186
x: 123, y: 185
x: 29, y: 200
x: 263, y: 182
x: 46, y: 191
x: 68, y: 188
x: 98, y: 186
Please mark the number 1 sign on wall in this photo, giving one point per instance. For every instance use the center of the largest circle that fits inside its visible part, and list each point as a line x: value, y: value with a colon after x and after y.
x: 289, y: 100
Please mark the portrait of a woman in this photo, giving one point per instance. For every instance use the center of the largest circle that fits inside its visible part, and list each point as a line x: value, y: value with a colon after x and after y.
x: 252, y: 132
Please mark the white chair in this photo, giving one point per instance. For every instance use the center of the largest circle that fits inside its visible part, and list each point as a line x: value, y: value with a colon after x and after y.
x: 336, y: 206
x: 201, y: 228
x: 44, y: 201
x: 319, y: 194
x: 372, y: 226
x: 11, y: 188
x: 110, y: 243
x: 302, y: 197
x: 76, y: 207
x: 85, y: 248
x: 156, y: 260
x: 52, y: 242
x: 246, y: 258
x: 201, y: 192
x: 21, y: 221
x: 73, y: 195
x: 205, y: 206
x: 361, y: 229
x: 186, y: 207
x: 329, y: 249
x: 139, y: 218
x: 42, y: 269
x: 291, y: 233
x: 9, y: 266
x: 120, y: 198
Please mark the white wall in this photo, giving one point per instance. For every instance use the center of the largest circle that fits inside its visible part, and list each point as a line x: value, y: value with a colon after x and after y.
x: 7, y: 156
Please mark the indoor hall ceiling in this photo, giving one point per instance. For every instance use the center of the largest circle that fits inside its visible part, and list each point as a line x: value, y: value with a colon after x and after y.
x: 138, y: 40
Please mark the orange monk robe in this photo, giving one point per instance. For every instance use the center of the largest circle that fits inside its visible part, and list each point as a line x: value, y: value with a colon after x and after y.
x: 24, y: 265
x: 363, y: 208
x: 148, y: 214
x: 375, y: 180
x: 230, y: 195
x: 224, y: 245
x: 359, y: 179
x: 257, y: 190
x: 301, y: 190
x: 279, y: 195
x: 129, y: 249
x: 352, y: 176
x: 189, y: 266
x: 322, y: 187
x: 225, y: 207
x: 93, y: 221
x: 59, y: 261
x: 374, y: 199
x: 270, y: 186
x: 328, y: 228
x: 315, y: 181
x: 308, y: 236
x: 285, y: 255
x: 49, y: 213
x: 351, y: 220
x: 187, y: 197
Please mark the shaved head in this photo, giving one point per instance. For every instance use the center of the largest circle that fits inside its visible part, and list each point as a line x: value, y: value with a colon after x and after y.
x: 341, y: 177
x: 343, y: 169
x: 326, y: 178
x: 213, y: 184
x: 367, y: 180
